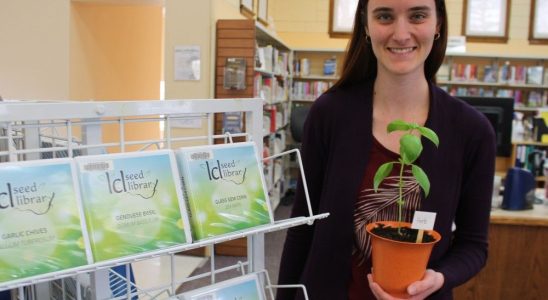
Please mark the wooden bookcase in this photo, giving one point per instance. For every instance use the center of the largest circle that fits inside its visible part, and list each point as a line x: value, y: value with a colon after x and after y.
x: 270, y: 81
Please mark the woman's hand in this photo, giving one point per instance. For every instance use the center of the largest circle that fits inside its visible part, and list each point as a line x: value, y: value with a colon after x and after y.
x: 418, y: 290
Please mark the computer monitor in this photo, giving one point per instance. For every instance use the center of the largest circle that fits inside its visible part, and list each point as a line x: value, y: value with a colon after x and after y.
x: 500, y: 112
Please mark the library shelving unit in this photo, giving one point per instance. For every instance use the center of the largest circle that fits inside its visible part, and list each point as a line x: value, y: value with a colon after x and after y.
x: 33, y: 130
x: 267, y: 76
x: 315, y: 70
x: 272, y: 83
x: 525, y: 78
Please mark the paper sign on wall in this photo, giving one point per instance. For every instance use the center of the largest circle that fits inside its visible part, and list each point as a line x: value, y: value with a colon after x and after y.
x: 187, y: 63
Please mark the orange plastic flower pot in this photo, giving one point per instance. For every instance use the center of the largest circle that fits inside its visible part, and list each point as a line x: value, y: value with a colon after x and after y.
x: 398, y: 264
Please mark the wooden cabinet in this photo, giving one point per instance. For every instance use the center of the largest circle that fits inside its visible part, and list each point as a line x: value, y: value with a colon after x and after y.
x: 517, y: 265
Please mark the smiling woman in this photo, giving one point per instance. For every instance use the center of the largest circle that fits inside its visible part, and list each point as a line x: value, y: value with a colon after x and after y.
x: 401, y: 36
x: 395, y: 50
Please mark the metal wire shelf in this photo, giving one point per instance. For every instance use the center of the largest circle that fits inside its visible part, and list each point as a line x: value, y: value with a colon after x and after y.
x: 38, y: 130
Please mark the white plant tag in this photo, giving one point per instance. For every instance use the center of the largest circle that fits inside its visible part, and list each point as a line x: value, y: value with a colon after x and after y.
x: 423, y: 220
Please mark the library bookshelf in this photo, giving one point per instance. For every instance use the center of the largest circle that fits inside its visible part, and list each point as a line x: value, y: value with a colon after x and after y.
x: 525, y: 78
x: 268, y: 78
x: 314, y: 71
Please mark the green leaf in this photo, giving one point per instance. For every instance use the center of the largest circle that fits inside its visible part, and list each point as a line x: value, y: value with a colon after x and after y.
x: 383, y: 171
x: 430, y: 134
x: 421, y: 178
x: 410, y: 148
x: 398, y: 125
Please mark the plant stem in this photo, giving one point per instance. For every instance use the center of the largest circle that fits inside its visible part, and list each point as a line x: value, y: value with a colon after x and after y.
x: 400, y: 200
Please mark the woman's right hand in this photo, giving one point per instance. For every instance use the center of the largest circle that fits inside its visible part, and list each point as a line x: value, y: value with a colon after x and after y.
x: 418, y: 290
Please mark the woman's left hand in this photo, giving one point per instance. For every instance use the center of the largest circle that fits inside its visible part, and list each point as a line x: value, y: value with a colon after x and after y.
x: 418, y: 290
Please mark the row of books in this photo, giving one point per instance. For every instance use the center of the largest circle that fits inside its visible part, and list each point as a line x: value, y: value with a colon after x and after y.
x: 506, y: 73
x: 270, y: 59
x: 302, y: 67
x: 58, y: 214
x: 274, y: 119
x: 309, y: 90
x: 521, y: 99
x: 269, y: 88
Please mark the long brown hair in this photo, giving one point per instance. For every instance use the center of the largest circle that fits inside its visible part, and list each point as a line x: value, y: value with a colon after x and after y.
x: 360, y: 63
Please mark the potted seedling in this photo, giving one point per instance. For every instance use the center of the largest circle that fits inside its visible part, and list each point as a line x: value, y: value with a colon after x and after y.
x: 399, y: 253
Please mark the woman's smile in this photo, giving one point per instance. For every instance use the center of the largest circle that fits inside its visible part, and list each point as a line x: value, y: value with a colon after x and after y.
x: 400, y: 50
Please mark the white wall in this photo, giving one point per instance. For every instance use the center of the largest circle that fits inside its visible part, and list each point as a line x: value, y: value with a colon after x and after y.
x: 304, y: 24
x: 187, y: 23
x: 34, y: 49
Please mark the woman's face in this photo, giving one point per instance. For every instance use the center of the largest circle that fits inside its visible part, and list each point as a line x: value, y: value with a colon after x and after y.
x: 402, y: 34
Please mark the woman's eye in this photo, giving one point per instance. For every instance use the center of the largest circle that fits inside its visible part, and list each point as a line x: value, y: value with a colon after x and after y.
x: 384, y: 17
x: 418, y: 17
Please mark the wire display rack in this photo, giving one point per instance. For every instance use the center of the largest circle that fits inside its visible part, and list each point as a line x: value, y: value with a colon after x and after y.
x: 32, y: 130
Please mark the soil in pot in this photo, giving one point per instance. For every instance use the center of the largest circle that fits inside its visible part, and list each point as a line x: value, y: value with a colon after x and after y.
x: 407, y: 234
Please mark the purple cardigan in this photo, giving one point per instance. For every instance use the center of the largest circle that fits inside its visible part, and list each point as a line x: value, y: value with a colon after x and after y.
x: 336, y: 145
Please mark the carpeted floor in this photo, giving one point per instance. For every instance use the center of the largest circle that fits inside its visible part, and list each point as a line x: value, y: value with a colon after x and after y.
x: 273, y: 249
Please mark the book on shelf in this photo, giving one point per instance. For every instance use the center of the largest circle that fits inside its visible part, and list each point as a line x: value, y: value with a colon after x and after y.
x: 224, y: 188
x: 505, y: 93
x: 266, y: 89
x: 464, y: 72
x: 304, y: 67
x: 488, y: 93
x: 443, y: 72
x: 330, y: 66
x: 271, y: 113
x: 537, y: 98
x: 534, y: 75
x: 518, y: 74
x: 245, y: 287
x: 296, y: 67
x: 41, y: 220
x: 490, y: 73
x: 534, y: 99
x: 132, y: 203
x: 504, y: 73
x: 259, y: 57
x: 266, y: 55
x: 258, y: 86
x: 283, y: 63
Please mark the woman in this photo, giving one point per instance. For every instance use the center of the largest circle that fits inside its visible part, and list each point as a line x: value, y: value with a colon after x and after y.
x: 389, y: 73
